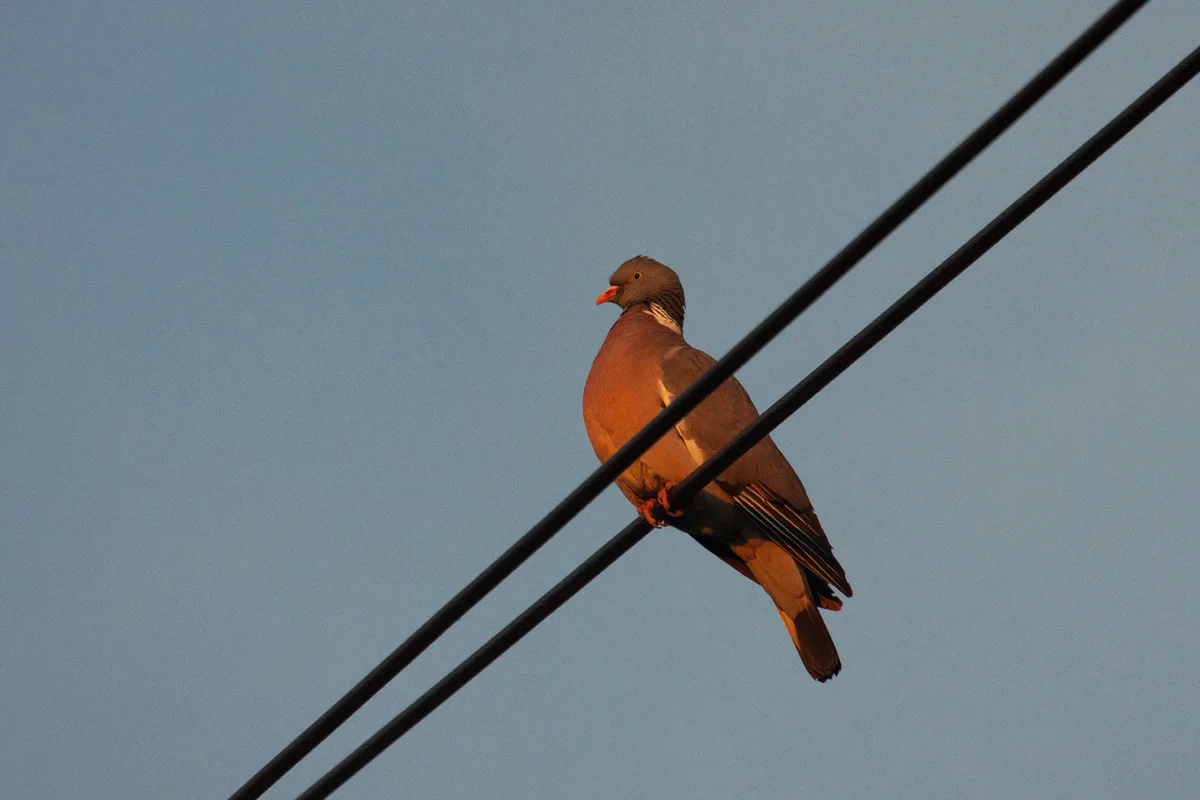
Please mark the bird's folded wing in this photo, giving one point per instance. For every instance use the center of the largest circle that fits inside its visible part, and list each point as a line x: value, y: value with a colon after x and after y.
x: 796, y: 531
x: 710, y: 427
x: 723, y: 413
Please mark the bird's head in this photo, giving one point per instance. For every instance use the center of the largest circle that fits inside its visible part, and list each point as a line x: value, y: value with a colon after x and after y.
x: 643, y: 281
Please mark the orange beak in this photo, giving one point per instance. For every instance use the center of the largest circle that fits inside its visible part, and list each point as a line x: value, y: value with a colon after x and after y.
x: 607, y: 295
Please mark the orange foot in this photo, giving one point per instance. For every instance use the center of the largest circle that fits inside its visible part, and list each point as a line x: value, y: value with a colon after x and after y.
x: 665, y: 502
x: 646, y: 509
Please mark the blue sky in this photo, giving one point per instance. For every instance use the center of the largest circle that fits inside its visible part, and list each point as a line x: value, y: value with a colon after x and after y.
x: 296, y: 309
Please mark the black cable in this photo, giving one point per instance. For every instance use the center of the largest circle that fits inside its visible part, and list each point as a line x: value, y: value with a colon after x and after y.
x: 818, y: 379
x: 737, y: 357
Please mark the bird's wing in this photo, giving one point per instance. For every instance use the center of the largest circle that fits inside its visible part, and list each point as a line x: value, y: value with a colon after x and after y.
x: 796, y: 531
x: 723, y: 414
x: 762, y: 483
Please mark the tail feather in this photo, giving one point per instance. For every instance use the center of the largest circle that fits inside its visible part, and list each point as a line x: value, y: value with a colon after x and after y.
x: 813, y: 643
x: 788, y: 585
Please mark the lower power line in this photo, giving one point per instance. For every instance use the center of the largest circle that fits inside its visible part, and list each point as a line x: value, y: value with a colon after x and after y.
x: 739, y: 355
x: 822, y: 376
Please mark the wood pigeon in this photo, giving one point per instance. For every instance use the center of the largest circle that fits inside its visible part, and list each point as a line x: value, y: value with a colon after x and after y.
x: 756, y: 516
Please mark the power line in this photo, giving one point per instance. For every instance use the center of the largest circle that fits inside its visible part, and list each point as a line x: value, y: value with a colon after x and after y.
x: 737, y: 357
x: 835, y: 365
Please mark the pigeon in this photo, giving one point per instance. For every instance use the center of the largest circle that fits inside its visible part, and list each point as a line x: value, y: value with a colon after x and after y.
x: 756, y: 516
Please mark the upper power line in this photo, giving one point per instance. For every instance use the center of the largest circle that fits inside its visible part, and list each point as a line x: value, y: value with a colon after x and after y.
x: 818, y: 379
x: 738, y: 356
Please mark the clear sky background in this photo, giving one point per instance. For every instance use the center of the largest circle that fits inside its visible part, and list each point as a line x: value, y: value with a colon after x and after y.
x: 296, y: 310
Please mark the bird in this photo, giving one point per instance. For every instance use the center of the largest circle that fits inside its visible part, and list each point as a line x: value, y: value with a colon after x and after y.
x: 756, y: 516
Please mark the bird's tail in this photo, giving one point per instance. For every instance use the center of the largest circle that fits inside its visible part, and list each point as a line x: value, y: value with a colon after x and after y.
x: 813, y: 642
x: 788, y: 585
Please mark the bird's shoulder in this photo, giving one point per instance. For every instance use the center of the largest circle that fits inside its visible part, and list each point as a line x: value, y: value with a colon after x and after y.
x: 726, y: 411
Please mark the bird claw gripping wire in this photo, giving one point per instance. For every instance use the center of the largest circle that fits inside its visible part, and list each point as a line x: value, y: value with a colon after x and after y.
x: 665, y: 501
x: 650, y: 510
x: 647, y: 510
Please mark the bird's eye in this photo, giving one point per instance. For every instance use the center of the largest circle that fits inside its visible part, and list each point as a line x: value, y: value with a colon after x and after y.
x: 637, y: 276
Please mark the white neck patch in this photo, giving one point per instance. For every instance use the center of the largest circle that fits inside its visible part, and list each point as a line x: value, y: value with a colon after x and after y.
x: 663, y: 318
